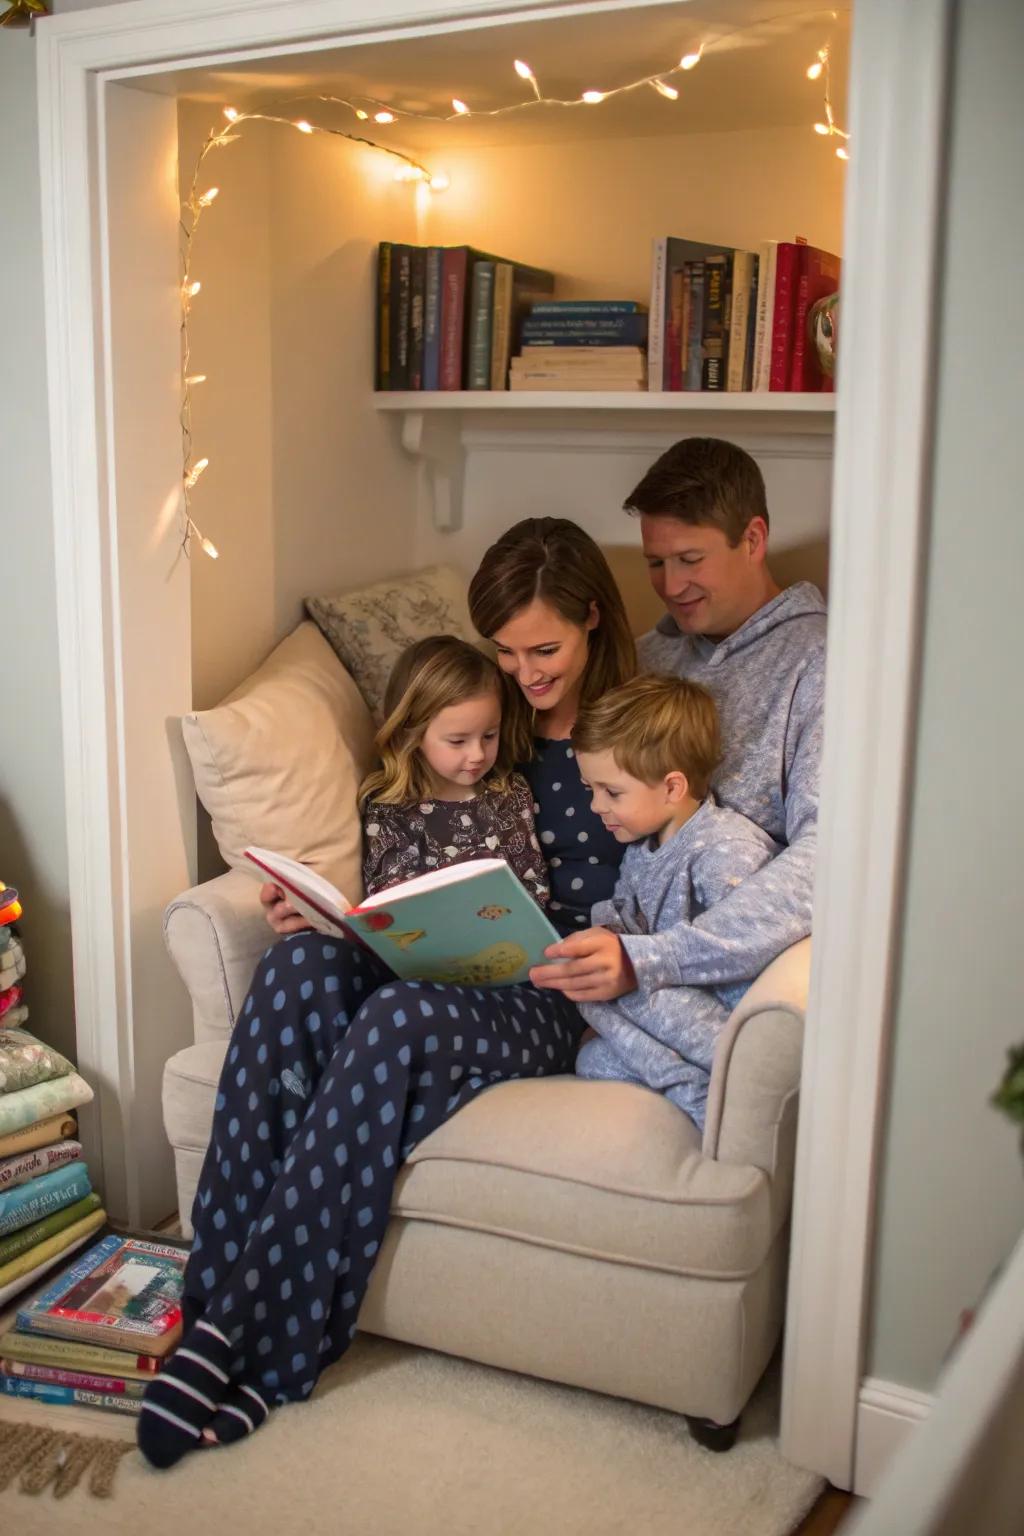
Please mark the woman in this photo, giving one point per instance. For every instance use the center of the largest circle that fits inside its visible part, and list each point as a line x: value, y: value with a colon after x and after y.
x: 336, y: 1071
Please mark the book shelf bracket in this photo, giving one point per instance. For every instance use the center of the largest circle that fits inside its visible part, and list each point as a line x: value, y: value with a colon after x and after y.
x: 436, y: 440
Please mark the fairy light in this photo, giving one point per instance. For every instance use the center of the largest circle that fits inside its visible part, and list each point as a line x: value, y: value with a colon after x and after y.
x: 362, y: 116
x: 524, y: 72
x: 592, y: 98
x: 829, y: 129
x: 231, y: 114
x: 691, y: 60
x: 195, y: 378
x: 460, y: 108
x: 842, y: 154
x: 440, y: 181
x: 208, y: 196
x: 383, y: 117
x: 668, y: 91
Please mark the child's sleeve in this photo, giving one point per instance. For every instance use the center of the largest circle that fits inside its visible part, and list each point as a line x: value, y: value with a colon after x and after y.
x: 391, y: 848
x: 522, y: 848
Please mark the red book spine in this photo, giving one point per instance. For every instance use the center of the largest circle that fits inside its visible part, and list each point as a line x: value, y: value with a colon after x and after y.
x: 818, y: 277
x: 62, y: 1378
x: 453, y: 315
x: 782, y: 321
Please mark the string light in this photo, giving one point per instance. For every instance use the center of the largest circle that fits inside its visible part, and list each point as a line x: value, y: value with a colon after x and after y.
x: 829, y: 129
x: 195, y: 472
x: 691, y: 60
x: 303, y: 126
x: 208, y: 197
x: 195, y: 378
x: 231, y: 114
x: 383, y: 117
x: 461, y: 110
x: 668, y: 91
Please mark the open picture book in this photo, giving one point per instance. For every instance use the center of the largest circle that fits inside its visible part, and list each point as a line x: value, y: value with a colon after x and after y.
x: 471, y: 924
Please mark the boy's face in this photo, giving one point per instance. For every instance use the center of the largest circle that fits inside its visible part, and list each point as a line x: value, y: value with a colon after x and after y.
x: 629, y: 808
x: 708, y: 587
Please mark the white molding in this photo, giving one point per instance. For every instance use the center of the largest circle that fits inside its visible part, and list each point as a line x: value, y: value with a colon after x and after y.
x: 887, y: 1415
x: 883, y: 442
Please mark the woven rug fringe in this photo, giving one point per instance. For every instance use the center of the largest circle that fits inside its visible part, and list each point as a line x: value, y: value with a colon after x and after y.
x: 33, y: 1457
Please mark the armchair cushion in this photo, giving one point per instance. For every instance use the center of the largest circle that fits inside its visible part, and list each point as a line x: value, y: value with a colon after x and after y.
x: 279, y: 762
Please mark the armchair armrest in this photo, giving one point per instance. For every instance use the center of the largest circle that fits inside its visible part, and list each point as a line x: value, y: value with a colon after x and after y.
x: 755, y: 1078
x: 215, y: 933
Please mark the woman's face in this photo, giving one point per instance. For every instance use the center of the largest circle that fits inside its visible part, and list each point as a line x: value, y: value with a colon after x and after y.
x: 546, y: 654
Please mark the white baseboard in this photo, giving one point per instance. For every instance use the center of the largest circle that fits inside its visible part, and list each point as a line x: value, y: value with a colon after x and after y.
x: 886, y: 1417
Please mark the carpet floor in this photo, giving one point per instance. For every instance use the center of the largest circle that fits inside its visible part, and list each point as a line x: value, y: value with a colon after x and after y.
x: 398, y: 1440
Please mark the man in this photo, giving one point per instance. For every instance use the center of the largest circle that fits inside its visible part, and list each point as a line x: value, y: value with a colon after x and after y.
x: 760, y: 652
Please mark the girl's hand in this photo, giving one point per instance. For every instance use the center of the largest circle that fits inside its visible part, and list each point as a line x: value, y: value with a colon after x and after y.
x: 279, y: 912
x: 594, y: 967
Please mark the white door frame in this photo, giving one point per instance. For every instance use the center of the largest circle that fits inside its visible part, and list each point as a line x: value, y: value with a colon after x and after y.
x: 898, y: 95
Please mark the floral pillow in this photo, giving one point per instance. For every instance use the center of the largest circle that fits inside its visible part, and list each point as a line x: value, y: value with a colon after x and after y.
x: 370, y: 627
x: 25, y: 1061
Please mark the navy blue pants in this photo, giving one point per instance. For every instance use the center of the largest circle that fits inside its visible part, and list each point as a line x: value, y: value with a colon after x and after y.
x: 334, y: 1073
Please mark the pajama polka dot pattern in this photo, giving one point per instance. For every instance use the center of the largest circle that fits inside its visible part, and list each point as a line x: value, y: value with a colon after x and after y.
x: 583, y: 857
x: 334, y: 1073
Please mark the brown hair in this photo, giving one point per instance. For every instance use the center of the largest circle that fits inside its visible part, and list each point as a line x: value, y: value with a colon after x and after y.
x: 552, y: 559
x: 703, y: 481
x: 655, y: 726
x: 429, y: 676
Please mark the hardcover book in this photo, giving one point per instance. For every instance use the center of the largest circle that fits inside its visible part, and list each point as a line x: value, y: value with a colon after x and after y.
x: 72, y: 1355
x: 124, y: 1292
x: 432, y: 319
x: 61, y: 1378
x: 49, y: 1392
x: 817, y: 276
x: 40, y: 1197
x: 787, y: 258
x: 471, y: 924
x: 715, y: 343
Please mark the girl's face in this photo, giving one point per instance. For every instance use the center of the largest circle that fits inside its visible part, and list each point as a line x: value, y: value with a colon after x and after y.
x: 546, y: 654
x: 461, y: 743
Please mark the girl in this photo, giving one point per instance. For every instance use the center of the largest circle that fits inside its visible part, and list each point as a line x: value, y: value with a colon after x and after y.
x: 336, y: 1071
x: 444, y: 792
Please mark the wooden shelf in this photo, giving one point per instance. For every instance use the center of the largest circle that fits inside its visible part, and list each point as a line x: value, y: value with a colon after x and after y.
x: 439, y: 427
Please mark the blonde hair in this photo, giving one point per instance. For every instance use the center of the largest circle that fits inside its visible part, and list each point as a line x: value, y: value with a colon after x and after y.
x: 654, y: 726
x: 552, y: 559
x: 429, y: 676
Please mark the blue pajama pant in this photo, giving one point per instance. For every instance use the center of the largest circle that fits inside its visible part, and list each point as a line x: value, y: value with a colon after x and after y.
x: 335, y: 1072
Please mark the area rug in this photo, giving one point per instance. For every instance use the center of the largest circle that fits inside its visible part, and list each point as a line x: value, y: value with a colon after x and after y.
x: 397, y: 1440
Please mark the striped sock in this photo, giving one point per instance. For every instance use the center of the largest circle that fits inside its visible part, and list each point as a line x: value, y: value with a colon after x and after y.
x: 241, y: 1412
x: 185, y: 1396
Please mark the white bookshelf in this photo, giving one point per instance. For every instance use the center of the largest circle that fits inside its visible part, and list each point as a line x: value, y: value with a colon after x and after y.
x: 439, y: 427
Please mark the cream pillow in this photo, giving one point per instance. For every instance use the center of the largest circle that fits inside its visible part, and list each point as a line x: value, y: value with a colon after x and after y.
x: 279, y: 762
x: 370, y: 627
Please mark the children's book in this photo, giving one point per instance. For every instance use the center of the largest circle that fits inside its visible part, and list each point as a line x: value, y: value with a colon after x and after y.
x: 71, y: 1355
x: 471, y: 924
x: 48, y: 1392
x: 124, y: 1292
x: 55, y: 1376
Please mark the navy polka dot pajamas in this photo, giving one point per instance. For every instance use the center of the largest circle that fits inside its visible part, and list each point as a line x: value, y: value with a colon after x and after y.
x: 335, y: 1072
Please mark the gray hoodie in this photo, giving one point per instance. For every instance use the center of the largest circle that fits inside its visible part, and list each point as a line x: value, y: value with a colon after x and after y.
x: 768, y: 680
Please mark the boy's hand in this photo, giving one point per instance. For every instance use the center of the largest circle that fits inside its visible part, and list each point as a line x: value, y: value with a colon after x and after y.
x: 594, y: 967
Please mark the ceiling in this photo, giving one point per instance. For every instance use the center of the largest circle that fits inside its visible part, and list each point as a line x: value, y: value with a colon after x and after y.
x: 752, y: 75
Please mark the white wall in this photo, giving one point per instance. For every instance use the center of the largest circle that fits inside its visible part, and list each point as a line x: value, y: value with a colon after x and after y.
x: 952, y: 1198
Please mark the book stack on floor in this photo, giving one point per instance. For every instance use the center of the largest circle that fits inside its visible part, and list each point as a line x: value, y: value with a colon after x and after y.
x: 588, y: 344
x: 448, y: 317
x: 47, y: 1204
x: 98, y: 1332
x: 733, y: 320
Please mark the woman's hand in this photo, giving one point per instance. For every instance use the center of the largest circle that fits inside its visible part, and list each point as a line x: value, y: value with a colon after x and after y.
x: 593, y: 968
x: 279, y: 912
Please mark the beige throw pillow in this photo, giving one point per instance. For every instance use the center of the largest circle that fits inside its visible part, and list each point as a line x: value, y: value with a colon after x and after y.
x: 370, y: 627
x: 279, y: 762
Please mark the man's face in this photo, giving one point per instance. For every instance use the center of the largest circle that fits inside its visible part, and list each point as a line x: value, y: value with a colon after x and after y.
x: 708, y: 587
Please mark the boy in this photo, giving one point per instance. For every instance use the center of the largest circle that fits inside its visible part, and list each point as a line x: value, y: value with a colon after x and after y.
x: 647, y: 751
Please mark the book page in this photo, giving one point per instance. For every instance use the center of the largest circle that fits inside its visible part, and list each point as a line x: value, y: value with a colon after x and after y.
x: 435, y: 879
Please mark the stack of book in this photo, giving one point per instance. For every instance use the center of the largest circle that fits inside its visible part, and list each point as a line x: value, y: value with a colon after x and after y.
x: 48, y: 1207
x: 591, y: 344
x: 448, y: 317
x: 727, y: 319
x: 100, y: 1331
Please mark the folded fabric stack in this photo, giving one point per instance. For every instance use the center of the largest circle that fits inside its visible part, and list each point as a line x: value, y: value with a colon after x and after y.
x: 47, y: 1204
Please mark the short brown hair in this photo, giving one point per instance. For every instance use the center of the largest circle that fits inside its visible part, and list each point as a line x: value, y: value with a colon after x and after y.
x: 655, y: 726
x: 553, y: 559
x: 430, y: 675
x: 703, y: 481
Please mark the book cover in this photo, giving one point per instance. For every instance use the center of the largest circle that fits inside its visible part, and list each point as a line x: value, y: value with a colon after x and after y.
x: 41, y: 1269
x: 383, y: 355
x: 124, y: 1292
x: 787, y: 257
x: 668, y: 253
x: 39, y: 1133
x: 48, y: 1392
x: 472, y: 924
x: 817, y: 276
x: 40, y: 1197
x: 742, y: 289
x: 481, y: 302
x: 630, y: 330
x: 517, y: 289
x: 61, y: 1378
x: 695, y: 271
x: 589, y: 307
x: 582, y: 355
x: 767, y: 263
x: 432, y: 319
x: 27, y: 1165
x: 398, y: 320
x: 628, y: 386
x: 674, y: 335
x: 417, y: 294
x: 748, y: 361
x: 27, y: 1238
x: 73, y: 1355
x: 715, y: 342
x: 454, y: 263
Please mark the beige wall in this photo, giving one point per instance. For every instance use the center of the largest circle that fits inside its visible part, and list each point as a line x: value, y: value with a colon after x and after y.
x: 952, y: 1195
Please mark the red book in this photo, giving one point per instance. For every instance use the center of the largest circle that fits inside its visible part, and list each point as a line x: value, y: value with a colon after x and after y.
x: 786, y: 271
x: 62, y: 1378
x: 817, y: 276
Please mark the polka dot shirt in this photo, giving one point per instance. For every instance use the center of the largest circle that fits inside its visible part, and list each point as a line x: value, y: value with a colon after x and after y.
x: 583, y: 858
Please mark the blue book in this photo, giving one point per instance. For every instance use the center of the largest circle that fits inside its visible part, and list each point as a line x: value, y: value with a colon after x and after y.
x: 588, y: 307
x: 41, y: 1197
x: 565, y: 331
x: 480, y: 318
x: 471, y: 924
x: 53, y: 1392
x: 432, y: 320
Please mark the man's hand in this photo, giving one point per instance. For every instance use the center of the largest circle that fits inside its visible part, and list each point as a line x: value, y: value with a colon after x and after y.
x: 279, y: 912
x: 593, y: 968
